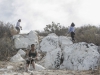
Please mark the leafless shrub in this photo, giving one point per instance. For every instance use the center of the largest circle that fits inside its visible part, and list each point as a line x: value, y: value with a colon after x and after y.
x: 89, y: 34
x: 13, y: 31
x: 6, y: 48
x: 6, y: 43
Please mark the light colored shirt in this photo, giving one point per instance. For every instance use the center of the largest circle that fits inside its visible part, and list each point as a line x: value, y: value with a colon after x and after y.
x: 18, y: 24
x: 71, y: 29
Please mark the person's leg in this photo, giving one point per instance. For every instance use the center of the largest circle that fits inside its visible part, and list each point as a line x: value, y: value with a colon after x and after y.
x: 27, y: 65
x: 18, y: 30
x: 72, y: 36
x: 33, y: 64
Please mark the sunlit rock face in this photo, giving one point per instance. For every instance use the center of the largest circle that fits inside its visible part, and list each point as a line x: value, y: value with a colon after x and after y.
x: 52, y: 59
x: 17, y: 58
x: 64, y: 41
x: 37, y: 67
x: 24, y: 40
x: 49, y: 43
x: 63, y: 54
x: 21, y: 52
x: 80, y: 56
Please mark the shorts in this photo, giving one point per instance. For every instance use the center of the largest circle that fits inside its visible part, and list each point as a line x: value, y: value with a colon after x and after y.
x: 18, y: 28
x: 29, y: 61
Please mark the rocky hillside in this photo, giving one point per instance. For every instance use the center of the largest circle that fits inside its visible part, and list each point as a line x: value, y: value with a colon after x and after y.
x: 57, y: 55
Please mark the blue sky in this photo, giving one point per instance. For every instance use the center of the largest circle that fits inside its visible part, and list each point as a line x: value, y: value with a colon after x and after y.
x: 36, y: 14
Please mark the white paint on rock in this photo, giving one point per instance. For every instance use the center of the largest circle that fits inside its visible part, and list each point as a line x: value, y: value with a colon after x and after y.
x: 64, y: 41
x: 23, y: 41
x: 17, y: 58
x: 10, y: 67
x: 52, y: 59
x: 21, y: 52
x: 49, y: 43
x: 79, y: 57
x: 37, y: 67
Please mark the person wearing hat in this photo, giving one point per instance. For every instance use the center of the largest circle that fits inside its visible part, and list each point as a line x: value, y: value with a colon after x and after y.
x: 18, y: 27
x: 72, y: 31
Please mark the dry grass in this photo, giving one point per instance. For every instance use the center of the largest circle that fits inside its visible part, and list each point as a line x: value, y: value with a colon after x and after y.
x: 13, y: 31
x: 89, y: 34
x: 6, y: 48
x: 6, y: 43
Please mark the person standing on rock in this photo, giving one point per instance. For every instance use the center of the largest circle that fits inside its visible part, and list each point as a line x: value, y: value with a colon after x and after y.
x: 18, y: 27
x: 31, y: 57
x: 72, y: 31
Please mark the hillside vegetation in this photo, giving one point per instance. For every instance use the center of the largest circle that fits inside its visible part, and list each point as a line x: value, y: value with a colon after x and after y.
x: 87, y: 33
x: 6, y: 41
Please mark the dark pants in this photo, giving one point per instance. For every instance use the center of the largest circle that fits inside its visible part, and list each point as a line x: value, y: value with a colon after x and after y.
x: 72, y: 36
x: 18, y: 29
x: 29, y: 61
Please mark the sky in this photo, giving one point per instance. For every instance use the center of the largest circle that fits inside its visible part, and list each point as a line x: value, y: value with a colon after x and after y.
x: 36, y: 14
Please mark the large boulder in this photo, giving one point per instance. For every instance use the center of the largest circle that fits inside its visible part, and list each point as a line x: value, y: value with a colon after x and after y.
x: 49, y: 43
x: 21, y: 52
x: 17, y: 58
x: 52, y: 59
x: 64, y: 41
x: 63, y: 54
x: 24, y: 40
x: 80, y: 56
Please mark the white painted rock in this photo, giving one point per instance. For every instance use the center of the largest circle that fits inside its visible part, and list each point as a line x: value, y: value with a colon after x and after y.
x: 21, y: 52
x: 24, y: 40
x: 52, y: 59
x: 64, y: 41
x: 80, y: 56
x: 49, y: 43
x: 10, y: 67
x: 37, y: 67
x: 17, y: 58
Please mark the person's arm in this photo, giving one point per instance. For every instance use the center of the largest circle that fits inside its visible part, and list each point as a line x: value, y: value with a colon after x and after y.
x: 74, y: 29
x: 69, y: 29
x: 21, y: 27
x: 36, y: 55
x: 27, y: 54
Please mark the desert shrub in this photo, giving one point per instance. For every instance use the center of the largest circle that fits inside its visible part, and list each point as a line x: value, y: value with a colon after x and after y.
x: 89, y: 34
x: 6, y: 43
x: 86, y: 33
x: 6, y: 48
x: 42, y: 33
x: 56, y: 28
x: 6, y: 30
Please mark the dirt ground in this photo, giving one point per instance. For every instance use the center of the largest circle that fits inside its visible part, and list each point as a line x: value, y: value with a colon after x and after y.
x: 18, y: 69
